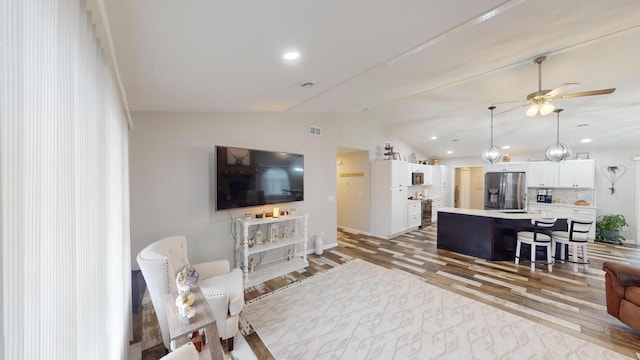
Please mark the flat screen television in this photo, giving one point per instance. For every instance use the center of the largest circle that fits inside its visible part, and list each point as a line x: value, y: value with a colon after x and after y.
x: 248, y: 177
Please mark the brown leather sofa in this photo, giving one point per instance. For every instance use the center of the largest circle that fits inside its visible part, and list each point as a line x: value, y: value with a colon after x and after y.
x: 622, y: 284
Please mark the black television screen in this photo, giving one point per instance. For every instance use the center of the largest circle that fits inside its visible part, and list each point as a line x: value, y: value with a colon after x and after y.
x: 247, y: 177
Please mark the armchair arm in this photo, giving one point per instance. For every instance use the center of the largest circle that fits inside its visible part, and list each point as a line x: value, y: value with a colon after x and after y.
x: 626, y: 275
x: 218, y: 302
x: 212, y: 268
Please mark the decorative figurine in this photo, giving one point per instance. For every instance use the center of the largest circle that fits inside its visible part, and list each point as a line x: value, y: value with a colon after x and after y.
x: 273, y: 233
x: 257, y: 237
x: 289, y: 255
x: 252, y: 265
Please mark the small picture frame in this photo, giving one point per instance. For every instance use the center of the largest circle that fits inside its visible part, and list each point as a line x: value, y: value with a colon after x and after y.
x: 582, y: 156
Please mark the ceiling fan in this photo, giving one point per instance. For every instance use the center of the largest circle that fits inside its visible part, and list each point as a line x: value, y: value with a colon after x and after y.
x: 538, y: 101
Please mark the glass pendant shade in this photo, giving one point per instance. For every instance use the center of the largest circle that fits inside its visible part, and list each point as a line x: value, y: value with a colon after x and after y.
x: 558, y: 151
x: 493, y: 153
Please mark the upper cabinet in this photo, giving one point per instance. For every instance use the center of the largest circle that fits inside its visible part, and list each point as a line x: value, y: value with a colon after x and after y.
x: 506, y: 167
x: 425, y: 170
x: 565, y: 174
x: 576, y: 174
x: 542, y: 174
x: 391, y: 173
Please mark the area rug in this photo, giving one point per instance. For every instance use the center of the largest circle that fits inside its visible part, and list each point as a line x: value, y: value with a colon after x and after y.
x: 364, y: 311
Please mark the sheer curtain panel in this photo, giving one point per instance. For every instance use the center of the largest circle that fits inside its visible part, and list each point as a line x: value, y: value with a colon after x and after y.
x: 63, y: 187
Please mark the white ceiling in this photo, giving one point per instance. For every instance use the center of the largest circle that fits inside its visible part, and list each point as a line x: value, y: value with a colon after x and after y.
x: 422, y: 67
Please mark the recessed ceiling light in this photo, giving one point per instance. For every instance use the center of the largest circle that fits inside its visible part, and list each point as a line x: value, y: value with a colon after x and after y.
x: 585, y: 141
x: 583, y: 125
x: 291, y: 55
x: 506, y: 147
x: 449, y: 152
x: 455, y: 140
x: 434, y: 138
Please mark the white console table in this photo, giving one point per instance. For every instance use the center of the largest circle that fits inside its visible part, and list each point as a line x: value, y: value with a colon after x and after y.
x: 294, y: 234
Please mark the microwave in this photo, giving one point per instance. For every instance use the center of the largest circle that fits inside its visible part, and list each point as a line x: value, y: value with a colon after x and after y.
x: 417, y: 178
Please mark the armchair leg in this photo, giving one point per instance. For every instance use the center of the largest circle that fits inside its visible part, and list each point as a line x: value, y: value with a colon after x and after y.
x: 230, y: 344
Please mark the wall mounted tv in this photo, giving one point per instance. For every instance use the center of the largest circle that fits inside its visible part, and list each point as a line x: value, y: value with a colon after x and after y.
x: 247, y: 177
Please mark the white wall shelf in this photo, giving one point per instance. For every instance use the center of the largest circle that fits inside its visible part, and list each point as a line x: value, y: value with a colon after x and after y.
x: 296, y: 235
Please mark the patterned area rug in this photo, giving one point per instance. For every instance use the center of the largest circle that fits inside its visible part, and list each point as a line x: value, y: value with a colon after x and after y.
x: 151, y: 335
x: 364, y: 311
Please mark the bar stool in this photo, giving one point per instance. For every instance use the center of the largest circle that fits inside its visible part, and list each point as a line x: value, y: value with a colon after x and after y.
x: 577, y: 236
x: 540, y: 236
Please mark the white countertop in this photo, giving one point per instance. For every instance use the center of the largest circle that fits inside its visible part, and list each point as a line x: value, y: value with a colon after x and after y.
x: 502, y: 214
x: 562, y: 205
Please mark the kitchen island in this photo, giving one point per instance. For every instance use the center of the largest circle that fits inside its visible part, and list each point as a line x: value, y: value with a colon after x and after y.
x: 487, y: 234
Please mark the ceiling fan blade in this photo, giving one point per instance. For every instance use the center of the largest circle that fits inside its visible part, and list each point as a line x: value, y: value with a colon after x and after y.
x: 562, y: 88
x: 522, y: 104
x: 585, y: 93
x: 508, y: 102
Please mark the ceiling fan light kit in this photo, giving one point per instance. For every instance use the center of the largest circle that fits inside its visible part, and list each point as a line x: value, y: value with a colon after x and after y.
x: 538, y: 101
x: 493, y: 153
x: 558, y: 151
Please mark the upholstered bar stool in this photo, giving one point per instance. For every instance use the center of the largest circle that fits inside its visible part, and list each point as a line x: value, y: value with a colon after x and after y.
x: 539, y: 237
x: 576, y: 237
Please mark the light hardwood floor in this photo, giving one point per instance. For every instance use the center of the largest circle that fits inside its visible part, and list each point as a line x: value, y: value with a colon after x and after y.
x: 570, y: 302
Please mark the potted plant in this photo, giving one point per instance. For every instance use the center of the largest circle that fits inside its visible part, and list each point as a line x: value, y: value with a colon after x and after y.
x: 608, y: 228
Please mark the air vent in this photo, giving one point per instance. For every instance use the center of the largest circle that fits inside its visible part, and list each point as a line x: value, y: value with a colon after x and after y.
x: 314, y: 130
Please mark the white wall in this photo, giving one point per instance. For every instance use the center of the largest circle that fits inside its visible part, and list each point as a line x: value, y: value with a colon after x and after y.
x: 621, y: 202
x: 169, y: 171
x: 353, y: 192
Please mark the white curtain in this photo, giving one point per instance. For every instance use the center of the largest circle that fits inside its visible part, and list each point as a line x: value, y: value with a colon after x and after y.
x: 64, y: 216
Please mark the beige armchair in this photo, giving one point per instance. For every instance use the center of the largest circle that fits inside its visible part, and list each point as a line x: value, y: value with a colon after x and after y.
x: 221, y: 286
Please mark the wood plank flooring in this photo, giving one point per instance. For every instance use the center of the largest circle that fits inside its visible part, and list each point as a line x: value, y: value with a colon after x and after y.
x: 570, y: 302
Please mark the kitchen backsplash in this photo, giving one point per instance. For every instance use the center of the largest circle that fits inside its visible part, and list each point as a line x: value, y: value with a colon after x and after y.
x: 566, y: 196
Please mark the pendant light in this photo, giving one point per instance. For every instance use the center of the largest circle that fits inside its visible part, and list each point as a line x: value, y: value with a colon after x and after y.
x: 558, y: 151
x: 493, y: 153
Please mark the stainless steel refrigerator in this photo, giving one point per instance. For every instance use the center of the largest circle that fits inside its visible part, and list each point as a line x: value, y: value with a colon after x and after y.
x: 504, y: 191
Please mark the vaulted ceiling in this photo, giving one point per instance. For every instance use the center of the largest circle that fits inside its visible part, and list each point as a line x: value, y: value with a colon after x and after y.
x: 423, y: 68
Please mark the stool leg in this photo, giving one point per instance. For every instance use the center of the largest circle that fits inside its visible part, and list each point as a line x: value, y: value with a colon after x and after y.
x: 563, y: 256
x: 575, y: 257
x: 518, y: 246
x: 549, y: 260
x: 585, y: 257
x: 533, y: 257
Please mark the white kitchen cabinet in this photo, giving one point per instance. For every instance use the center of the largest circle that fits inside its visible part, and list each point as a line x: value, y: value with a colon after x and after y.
x: 440, y: 189
x: 414, y: 214
x: 396, y: 170
x: 398, y: 210
x: 506, y: 167
x: 576, y: 174
x: 388, y: 199
x: 542, y: 174
x: 436, y: 203
x: 427, y: 170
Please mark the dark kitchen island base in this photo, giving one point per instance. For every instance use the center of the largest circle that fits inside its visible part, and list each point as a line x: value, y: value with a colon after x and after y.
x: 488, y: 237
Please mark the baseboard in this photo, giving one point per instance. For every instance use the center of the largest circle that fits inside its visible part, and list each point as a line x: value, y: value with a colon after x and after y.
x: 354, y: 231
x: 324, y: 247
